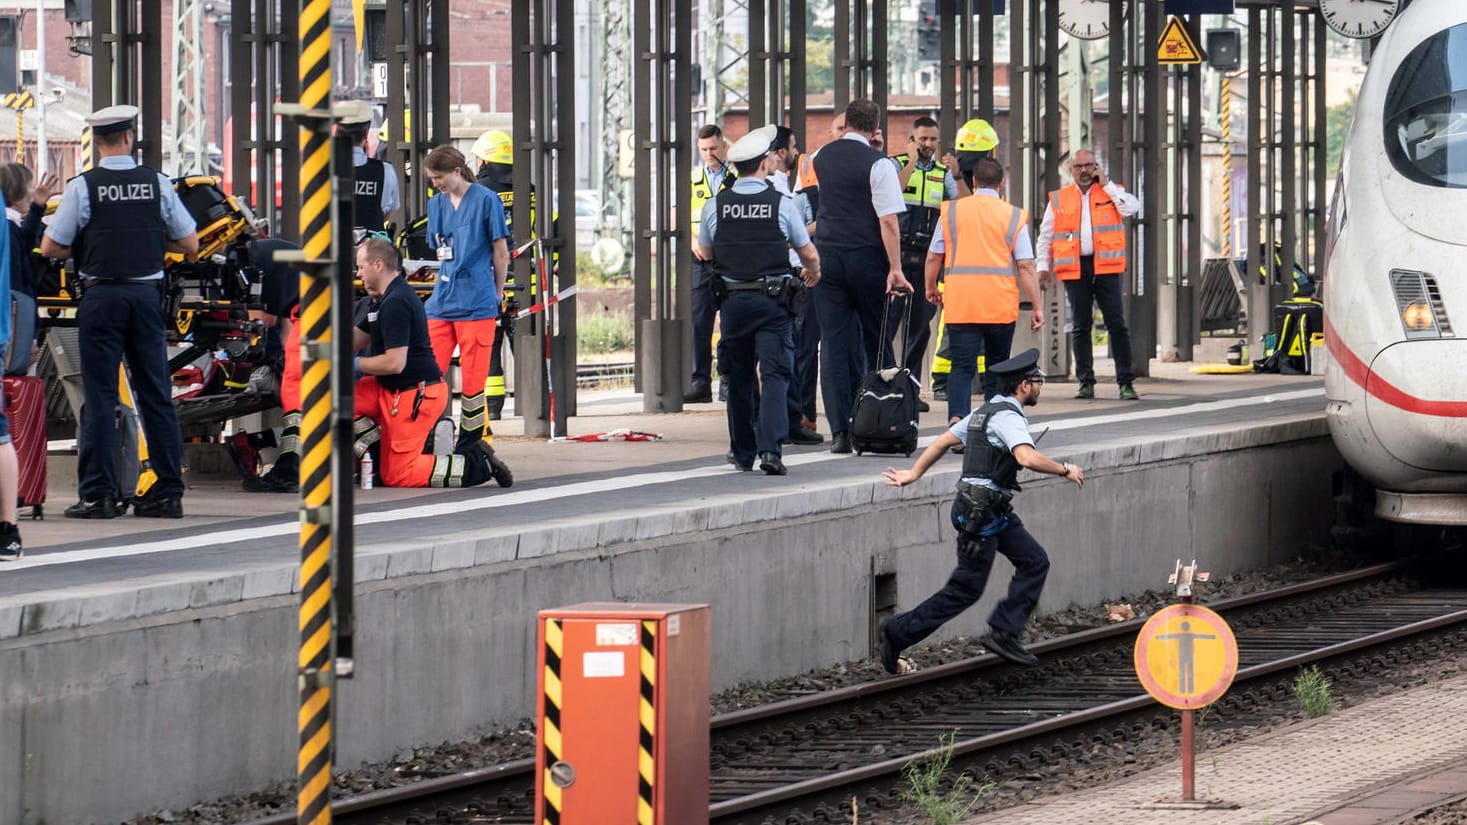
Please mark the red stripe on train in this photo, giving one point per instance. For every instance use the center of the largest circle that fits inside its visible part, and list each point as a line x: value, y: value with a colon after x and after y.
x: 1360, y: 373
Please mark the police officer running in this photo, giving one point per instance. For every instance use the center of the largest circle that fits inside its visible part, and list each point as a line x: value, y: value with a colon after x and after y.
x: 117, y: 219
x: 746, y: 235
x: 998, y: 444
x: 376, y: 180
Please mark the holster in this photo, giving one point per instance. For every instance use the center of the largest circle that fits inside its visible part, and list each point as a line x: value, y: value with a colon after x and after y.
x: 787, y: 291
x: 976, y: 506
x: 717, y: 285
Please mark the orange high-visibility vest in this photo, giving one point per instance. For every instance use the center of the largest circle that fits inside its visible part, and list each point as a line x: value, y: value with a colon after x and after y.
x: 980, y: 284
x: 1107, y: 230
x: 806, y: 172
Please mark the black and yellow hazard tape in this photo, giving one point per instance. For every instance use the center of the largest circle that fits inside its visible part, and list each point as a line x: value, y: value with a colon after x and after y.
x: 647, y: 716
x: 550, y: 727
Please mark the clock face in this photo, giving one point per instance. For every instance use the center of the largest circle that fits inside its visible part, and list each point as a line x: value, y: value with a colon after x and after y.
x: 1358, y: 18
x: 1087, y: 19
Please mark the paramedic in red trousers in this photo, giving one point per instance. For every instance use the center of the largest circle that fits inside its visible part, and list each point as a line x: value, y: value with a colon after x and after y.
x: 400, y: 392
x: 280, y: 304
x: 998, y: 444
x: 467, y: 229
x: 860, y: 249
x: 116, y: 220
x: 1082, y: 241
x: 980, y: 247
x: 711, y: 177
x: 746, y: 234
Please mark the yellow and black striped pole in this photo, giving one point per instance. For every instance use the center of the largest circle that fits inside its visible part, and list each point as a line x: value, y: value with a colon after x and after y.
x: 647, y: 735
x: 86, y: 148
x: 1225, y: 121
x: 315, y: 665
x: 550, y: 721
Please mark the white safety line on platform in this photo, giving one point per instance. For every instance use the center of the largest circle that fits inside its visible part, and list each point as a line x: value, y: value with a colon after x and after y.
x: 458, y: 506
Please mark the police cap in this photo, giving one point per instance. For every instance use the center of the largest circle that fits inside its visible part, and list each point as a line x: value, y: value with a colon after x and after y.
x: 754, y: 145
x: 354, y: 115
x: 1023, y: 365
x: 113, y: 119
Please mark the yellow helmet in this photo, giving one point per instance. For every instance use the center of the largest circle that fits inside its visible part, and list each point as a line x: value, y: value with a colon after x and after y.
x: 977, y: 136
x: 407, y: 127
x: 495, y: 146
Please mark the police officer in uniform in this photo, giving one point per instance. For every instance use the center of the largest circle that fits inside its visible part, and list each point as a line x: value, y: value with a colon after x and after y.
x: 926, y: 183
x: 712, y: 176
x: 746, y: 234
x: 998, y: 444
x: 116, y: 220
x: 376, y: 180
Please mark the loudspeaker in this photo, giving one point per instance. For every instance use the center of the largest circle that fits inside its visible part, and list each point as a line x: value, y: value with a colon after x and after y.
x: 1224, y: 49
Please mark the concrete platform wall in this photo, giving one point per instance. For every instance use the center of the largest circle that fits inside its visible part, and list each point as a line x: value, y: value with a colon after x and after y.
x: 104, y: 720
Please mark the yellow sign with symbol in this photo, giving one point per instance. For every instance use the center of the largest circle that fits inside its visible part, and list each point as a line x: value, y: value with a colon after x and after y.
x: 1186, y: 656
x: 1177, y: 46
x: 20, y: 101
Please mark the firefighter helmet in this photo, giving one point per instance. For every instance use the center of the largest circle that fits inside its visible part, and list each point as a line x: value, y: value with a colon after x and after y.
x: 495, y: 146
x: 977, y: 136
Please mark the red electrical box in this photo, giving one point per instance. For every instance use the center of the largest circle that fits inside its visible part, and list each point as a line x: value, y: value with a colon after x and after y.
x: 623, y: 717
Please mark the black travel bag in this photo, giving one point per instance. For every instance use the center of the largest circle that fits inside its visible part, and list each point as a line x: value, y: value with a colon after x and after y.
x: 884, y: 416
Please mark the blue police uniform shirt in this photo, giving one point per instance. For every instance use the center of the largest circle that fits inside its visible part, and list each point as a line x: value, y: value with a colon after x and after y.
x: 1023, y: 245
x: 75, y: 208
x: 466, y: 289
x: 1007, y: 429
x: 790, y: 220
x: 391, y: 199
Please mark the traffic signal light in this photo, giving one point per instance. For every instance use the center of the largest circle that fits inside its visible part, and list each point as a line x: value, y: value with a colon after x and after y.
x: 9, y: 42
x: 929, y: 31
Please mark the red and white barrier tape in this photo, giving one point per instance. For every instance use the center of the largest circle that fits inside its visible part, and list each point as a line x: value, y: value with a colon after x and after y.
x: 547, y: 303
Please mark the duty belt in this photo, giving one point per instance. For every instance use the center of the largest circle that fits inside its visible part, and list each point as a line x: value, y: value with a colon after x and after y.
x: 757, y: 283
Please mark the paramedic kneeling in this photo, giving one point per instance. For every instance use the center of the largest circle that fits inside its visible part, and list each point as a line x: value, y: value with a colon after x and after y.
x: 998, y: 444
x: 400, y: 394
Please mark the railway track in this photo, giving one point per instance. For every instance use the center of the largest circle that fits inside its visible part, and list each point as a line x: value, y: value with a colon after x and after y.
x: 804, y: 759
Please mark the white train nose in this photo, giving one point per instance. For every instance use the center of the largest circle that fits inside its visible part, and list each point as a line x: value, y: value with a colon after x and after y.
x: 1417, y: 403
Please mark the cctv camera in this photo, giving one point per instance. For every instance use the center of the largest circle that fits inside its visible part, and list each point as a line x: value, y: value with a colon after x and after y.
x: 56, y: 93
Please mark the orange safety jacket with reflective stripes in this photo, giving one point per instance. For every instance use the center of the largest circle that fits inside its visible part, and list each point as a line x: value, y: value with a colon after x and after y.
x: 1107, y: 231
x: 805, y: 172
x: 980, y: 283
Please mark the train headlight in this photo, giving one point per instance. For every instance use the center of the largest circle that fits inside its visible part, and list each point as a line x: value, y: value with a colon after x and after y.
x: 1419, y: 303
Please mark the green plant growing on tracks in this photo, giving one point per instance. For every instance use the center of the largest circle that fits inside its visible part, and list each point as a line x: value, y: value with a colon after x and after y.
x: 925, y: 780
x: 1312, y: 689
x: 603, y: 332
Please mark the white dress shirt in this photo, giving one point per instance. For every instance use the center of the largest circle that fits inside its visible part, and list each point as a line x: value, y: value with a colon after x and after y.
x: 1126, y: 203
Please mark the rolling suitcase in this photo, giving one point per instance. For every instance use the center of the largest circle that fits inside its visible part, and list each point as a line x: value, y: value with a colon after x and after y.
x: 884, y: 415
x: 25, y: 403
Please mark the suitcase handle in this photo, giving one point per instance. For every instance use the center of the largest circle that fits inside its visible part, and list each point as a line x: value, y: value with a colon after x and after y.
x: 909, y: 298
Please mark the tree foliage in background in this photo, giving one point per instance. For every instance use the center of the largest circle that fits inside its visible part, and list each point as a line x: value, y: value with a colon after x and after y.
x: 1337, y: 123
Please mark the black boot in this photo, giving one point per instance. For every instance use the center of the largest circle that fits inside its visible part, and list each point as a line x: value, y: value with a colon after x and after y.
x: 496, y: 407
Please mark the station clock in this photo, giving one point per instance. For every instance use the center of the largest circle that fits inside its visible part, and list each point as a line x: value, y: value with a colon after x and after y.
x: 1359, y: 18
x: 1087, y: 19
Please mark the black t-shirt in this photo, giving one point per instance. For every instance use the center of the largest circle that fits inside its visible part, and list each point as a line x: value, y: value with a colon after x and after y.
x: 398, y: 320
x: 280, y: 286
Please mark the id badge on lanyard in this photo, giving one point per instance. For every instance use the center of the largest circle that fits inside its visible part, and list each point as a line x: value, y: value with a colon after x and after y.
x: 445, y: 248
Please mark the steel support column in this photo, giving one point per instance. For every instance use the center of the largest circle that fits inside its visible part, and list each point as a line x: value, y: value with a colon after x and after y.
x: 966, y: 80
x: 860, y: 54
x: 1146, y: 266
x: 1260, y: 308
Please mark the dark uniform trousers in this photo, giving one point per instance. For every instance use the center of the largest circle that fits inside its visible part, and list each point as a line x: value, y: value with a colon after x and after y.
x: 757, y: 330
x: 967, y: 342
x: 965, y: 586
x: 1083, y: 295
x: 704, y: 308
x: 919, y: 329
x: 807, y: 359
x: 119, y: 320
x: 848, y: 300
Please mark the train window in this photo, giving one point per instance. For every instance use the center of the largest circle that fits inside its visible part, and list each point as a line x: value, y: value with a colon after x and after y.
x: 1426, y: 111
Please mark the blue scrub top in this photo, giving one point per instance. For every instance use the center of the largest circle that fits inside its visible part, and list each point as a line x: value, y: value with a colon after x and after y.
x: 466, y: 290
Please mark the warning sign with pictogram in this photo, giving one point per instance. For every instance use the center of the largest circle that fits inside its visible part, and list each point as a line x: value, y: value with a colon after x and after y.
x: 1186, y: 656
x: 1177, y: 46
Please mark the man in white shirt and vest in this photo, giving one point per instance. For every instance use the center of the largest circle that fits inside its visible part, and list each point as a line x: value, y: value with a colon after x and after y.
x: 1082, y: 241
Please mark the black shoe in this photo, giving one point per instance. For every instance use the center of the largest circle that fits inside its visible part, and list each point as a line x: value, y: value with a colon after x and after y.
x: 840, y: 443
x: 275, y: 481
x: 698, y: 394
x: 804, y: 435
x: 10, y: 549
x: 923, y: 406
x: 498, y: 470
x: 734, y: 462
x: 723, y: 391
x: 887, y: 653
x: 151, y: 506
x: 97, y: 508
x: 939, y: 388
x: 1008, y: 647
x: 771, y: 465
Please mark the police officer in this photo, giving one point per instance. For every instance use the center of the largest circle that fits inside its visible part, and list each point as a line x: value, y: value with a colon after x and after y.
x: 999, y: 443
x: 712, y: 176
x: 116, y: 220
x: 746, y: 234
x: 926, y: 183
x: 784, y: 155
x: 376, y: 180
x: 981, y: 250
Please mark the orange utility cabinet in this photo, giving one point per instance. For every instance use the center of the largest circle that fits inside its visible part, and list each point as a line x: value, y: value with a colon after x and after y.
x: 623, y: 717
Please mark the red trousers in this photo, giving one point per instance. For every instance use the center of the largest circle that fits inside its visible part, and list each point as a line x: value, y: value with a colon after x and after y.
x: 403, y: 436
x: 474, y: 339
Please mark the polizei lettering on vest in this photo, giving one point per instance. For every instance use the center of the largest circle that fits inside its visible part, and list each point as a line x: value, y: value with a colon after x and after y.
x: 121, y: 192
x: 368, y: 188
x: 746, y: 211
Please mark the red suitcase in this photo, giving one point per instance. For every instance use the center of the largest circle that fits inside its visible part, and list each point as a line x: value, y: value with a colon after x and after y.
x: 25, y: 404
